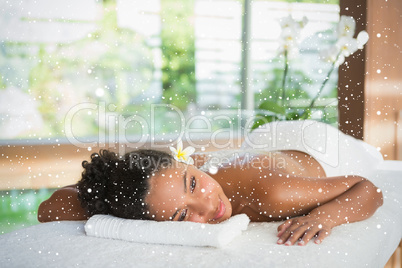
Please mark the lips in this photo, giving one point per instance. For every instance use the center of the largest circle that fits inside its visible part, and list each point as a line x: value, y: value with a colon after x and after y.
x: 221, y: 210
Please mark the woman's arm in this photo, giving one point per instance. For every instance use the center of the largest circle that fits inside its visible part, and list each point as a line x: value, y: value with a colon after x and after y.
x: 337, y: 205
x: 62, y: 205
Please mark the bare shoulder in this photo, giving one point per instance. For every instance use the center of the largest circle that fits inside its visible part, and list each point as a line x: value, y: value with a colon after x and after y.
x: 66, y: 192
x: 63, y: 204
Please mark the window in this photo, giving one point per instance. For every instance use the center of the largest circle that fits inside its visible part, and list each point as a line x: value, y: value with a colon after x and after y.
x: 76, y: 64
x: 306, y: 71
x: 93, y: 71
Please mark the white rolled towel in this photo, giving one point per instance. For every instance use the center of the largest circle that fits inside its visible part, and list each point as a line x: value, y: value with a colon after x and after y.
x: 167, y: 232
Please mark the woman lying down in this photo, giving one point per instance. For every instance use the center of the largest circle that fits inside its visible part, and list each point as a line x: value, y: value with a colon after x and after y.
x: 269, y: 186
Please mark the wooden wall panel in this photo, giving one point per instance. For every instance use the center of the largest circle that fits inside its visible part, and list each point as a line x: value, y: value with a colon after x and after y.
x: 383, y: 90
x: 351, y: 76
x: 57, y: 165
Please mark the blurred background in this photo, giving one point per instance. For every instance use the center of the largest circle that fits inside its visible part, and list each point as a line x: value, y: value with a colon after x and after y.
x: 125, y: 56
x: 76, y: 76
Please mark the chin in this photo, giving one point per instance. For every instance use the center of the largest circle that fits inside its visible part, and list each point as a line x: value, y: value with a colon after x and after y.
x: 229, y: 210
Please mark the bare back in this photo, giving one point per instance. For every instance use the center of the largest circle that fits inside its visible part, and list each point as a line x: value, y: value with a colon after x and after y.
x: 62, y: 205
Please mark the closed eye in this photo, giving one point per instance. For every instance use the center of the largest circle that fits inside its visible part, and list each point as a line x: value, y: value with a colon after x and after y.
x: 193, y: 183
x: 182, y: 215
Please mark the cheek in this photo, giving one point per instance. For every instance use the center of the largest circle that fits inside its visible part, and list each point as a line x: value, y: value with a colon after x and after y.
x: 162, y: 212
x: 196, y: 218
x: 208, y: 185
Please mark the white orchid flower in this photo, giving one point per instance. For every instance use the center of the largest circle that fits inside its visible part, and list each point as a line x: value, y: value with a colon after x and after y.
x: 347, y: 46
x: 332, y: 55
x: 289, y: 22
x: 288, y: 41
x: 343, y: 48
x: 303, y: 22
x: 362, y: 39
x: 329, y: 55
x: 181, y: 155
x: 289, y: 38
x: 346, y: 27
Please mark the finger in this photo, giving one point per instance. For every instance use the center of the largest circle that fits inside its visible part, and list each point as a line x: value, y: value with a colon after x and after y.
x: 282, y: 228
x: 285, y: 226
x: 308, y: 235
x: 296, y: 235
x: 288, y: 232
x: 321, y: 235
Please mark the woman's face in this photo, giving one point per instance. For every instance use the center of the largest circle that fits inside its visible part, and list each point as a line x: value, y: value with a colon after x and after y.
x: 184, y: 193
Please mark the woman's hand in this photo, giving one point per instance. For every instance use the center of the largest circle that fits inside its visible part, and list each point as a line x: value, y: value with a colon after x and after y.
x: 303, y: 229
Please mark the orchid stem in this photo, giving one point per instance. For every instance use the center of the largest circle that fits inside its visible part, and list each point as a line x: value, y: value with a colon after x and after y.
x: 285, y: 73
x: 321, y: 88
x: 322, y: 85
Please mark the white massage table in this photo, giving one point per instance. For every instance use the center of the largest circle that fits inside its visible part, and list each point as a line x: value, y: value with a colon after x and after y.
x: 368, y: 243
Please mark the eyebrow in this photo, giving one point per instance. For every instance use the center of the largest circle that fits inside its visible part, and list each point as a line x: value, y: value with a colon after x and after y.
x: 185, y: 191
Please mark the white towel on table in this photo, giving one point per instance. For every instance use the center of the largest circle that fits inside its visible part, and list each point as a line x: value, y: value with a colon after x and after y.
x: 167, y: 232
x: 338, y: 153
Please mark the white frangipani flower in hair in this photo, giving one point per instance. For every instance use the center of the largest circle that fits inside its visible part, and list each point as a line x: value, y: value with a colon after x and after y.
x: 181, y: 155
x: 346, y: 26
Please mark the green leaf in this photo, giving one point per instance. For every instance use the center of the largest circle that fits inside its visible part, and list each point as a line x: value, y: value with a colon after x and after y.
x: 262, y: 119
x: 298, y: 114
x: 306, y: 114
x: 272, y: 106
x: 293, y: 116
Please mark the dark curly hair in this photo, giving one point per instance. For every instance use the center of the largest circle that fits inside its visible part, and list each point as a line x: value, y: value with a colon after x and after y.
x: 118, y: 185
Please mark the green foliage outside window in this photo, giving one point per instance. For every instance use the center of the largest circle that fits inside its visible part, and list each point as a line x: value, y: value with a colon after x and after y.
x: 178, y: 52
x: 117, y: 63
x: 274, y: 84
x: 112, y: 64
